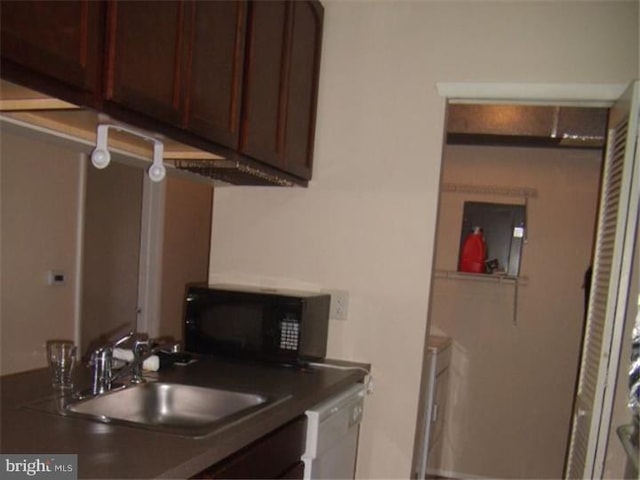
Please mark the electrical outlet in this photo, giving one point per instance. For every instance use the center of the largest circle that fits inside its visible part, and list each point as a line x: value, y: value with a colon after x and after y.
x: 339, y: 304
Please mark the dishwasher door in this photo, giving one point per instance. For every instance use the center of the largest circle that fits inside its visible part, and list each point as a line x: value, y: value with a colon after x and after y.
x: 332, y: 435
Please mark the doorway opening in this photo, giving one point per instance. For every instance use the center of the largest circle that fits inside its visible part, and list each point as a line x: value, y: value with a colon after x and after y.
x: 516, y: 338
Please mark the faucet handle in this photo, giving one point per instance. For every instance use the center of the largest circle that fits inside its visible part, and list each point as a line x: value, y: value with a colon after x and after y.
x: 140, y: 345
x: 123, y: 339
x: 137, y: 337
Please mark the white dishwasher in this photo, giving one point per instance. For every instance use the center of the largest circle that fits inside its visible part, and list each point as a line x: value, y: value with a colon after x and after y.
x: 332, y: 435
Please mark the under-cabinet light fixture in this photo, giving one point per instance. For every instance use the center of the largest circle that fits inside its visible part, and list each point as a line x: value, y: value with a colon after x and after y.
x: 101, y: 157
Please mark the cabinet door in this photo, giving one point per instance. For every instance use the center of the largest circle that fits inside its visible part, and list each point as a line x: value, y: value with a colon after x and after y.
x: 146, y: 51
x: 276, y: 455
x: 214, y: 78
x: 263, y: 122
x: 281, y: 84
x: 60, y: 40
x: 302, y: 82
x: 294, y: 473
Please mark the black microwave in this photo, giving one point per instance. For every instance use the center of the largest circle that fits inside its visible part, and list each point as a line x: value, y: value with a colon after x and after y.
x: 280, y: 326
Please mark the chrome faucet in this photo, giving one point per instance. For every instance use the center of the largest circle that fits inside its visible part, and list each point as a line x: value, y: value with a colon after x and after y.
x: 102, y: 365
x: 102, y: 376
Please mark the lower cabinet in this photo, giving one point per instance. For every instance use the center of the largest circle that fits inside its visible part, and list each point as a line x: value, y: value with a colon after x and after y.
x: 295, y: 472
x: 276, y: 455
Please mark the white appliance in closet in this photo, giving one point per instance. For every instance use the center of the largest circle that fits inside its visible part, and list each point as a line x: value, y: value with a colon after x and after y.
x: 439, y: 349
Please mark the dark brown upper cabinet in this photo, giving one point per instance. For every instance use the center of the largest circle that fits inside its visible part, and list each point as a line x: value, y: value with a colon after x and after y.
x: 215, y: 68
x: 179, y: 62
x: 55, y: 46
x: 235, y: 78
x: 146, y: 51
x: 281, y: 84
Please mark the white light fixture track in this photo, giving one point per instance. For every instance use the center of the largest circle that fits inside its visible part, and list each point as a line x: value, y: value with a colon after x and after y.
x: 101, y: 157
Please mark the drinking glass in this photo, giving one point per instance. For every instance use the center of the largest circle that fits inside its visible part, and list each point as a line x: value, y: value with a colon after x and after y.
x: 61, y: 355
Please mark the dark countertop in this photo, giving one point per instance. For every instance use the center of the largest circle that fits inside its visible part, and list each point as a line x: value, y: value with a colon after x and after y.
x: 120, y: 451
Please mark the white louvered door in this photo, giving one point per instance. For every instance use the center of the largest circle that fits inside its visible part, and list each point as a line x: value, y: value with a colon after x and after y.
x: 615, y: 238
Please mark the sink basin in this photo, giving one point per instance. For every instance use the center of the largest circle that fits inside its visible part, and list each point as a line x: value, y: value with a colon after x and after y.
x: 170, y: 407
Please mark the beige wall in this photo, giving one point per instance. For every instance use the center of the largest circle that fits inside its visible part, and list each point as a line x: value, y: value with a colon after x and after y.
x: 367, y: 222
x: 185, y: 258
x: 512, y: 384
x: 39, y: 228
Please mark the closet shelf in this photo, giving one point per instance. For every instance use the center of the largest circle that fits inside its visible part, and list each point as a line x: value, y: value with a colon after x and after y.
x: 481, y: 277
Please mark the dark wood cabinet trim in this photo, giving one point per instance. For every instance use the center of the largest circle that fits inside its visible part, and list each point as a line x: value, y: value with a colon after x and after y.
x: 190, y: 36
x: 84, y: 29
x: 238, y: 67
x: 248, y: 59
x: 110, y: 48
x: 285, y: 71
x: 319, y: 11
x: 179, y: 55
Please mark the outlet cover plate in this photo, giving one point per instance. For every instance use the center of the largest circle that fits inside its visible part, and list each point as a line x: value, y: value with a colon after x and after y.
x: 339, y: 308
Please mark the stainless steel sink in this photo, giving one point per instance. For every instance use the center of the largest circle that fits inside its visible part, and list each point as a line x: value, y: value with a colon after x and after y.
x: 171, y: 407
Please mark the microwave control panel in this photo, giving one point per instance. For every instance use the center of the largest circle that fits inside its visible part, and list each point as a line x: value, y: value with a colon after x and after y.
x: 289, y: 334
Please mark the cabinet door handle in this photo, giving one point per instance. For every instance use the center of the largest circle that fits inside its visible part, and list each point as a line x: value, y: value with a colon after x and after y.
x: 434, y: 413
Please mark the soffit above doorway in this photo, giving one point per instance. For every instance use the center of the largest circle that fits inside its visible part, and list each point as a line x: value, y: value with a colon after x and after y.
x: 566, y: 94
x: 526, y: 125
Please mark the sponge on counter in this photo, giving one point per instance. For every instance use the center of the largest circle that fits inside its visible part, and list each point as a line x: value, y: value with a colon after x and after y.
x: 151, y: 364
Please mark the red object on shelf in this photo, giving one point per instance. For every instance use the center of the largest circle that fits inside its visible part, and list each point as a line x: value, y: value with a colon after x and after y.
x: 473, y: 253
